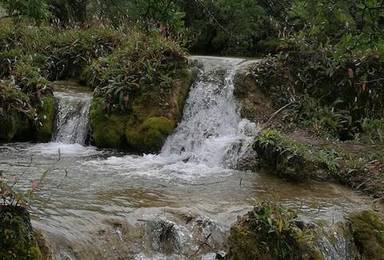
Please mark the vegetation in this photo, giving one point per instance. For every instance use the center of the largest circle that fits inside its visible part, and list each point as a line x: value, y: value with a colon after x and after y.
x: 270, y: 231
x: 368, y: 233
x: 125, y: 67
x: 294, y: 160
x: 17, y: 237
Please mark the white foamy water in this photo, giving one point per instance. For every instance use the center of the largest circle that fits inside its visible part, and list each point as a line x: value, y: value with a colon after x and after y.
x: 72, y: 118
x: 103, y: 204
x: 211, y: 131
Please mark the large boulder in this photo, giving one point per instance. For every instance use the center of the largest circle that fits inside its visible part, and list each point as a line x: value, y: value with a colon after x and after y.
x: 17, y: 239
x: 145, y: 125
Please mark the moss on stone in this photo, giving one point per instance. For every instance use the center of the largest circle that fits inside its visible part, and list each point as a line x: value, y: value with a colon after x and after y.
x: 15, y: 112
x: 107, y: 129
x: 270, y: 232
x: 146, y: 122
x: 283, y: 156
x: 16, y: 235
x: 368, y: 232
x: 8, y: 127
x: 46, y: 114
x: 150, y: 135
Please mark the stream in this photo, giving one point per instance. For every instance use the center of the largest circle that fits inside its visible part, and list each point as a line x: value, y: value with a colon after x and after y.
x: 105, y: 204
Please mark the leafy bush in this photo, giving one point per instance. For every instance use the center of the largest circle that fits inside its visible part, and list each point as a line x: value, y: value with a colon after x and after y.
x: 329, y: 95
x: 35, y: 9
x: 142, y: 64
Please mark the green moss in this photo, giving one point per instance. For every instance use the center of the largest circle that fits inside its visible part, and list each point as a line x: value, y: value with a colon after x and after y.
x: 16, y: 235
x: 283, y: 156
x: 8, y: 127
x: 270, y: 232
x: 368, y: 233
x: 150, y: 135
x: 107, y: 129
x: 46, y: 114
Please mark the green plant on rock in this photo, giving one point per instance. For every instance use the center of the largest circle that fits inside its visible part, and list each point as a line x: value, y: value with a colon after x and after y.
x: 368, y: 232
x: 270, y: 231
x: 373, y: 131
x: 283, y: 156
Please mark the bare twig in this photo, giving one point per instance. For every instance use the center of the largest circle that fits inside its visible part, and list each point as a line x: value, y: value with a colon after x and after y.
x: 275, y: 114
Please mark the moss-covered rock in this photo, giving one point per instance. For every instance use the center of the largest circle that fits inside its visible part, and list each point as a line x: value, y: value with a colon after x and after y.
x: 8, y: 127
x: 150, y: 135
x: 147, y: 120
x: 107, y: 129
x: 46, y: 114
x: 15, y: 113
x: 368, y: 232
x: 289, y: 159
x: 16, y: 235
x: 270, y: 232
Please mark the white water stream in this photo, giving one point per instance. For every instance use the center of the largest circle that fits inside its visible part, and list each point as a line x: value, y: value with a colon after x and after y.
x: 101, y: 204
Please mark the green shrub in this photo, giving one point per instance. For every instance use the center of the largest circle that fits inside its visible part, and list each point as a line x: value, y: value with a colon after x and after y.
x: 143, y: 64
x: 373, y: 131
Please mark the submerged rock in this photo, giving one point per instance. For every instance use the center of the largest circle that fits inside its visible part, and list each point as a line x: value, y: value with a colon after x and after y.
x: 17, y: 239
x: 163, y: 237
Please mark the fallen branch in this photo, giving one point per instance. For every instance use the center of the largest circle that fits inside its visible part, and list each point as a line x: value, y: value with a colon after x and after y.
x: 204, y: 243
x: 275, y: 114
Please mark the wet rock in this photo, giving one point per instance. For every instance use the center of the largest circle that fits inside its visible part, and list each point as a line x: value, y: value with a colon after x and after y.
x: 287, y: 158
x: 367, y: 229
x: 17, y: 239
x: 163, y: 236
x: 270, y: 232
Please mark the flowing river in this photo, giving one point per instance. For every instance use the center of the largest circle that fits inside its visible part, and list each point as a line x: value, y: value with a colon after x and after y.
x: 179, y: 204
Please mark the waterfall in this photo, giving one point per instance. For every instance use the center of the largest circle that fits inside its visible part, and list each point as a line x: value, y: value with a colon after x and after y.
x: 211, y: 131
x: 72, y: 118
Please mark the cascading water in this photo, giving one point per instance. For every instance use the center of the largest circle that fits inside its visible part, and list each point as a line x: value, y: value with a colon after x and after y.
x: 72, y: 117
x: 211, y: 131
x: 102, y: 204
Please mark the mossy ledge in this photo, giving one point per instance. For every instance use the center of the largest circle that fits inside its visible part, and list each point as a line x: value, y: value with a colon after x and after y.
x: 288, y: 159
x: 17, y: 239
x: 146, y: 123
x: 284, y: 156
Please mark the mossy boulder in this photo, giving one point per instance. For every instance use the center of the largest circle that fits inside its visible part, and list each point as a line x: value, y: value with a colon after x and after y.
x: 108, y: 130
x: 15, y: 112
x: 46, y: 114
x: 146, y: 122
x: 270, y: 232
x: 16, y: 235
x: 9, y: 127
x: 150, y: 135
x: 368, y: 233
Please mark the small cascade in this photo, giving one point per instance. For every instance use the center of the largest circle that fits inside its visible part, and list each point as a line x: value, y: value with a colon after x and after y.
x: 72, y: 119
x: 211, y: 131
